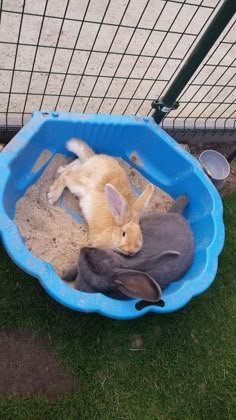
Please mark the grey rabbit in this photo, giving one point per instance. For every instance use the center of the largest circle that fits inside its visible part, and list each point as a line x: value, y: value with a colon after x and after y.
x: 167, y: 253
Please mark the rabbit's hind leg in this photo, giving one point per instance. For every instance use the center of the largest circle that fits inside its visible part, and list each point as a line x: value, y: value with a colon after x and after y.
x: 72, y: 165
x: 69, y: 178
x: 56, y: 189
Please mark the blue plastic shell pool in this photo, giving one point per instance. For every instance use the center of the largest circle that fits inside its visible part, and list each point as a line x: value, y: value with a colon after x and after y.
x: 165, y: 164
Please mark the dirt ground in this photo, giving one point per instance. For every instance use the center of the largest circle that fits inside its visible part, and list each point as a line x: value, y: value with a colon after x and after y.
x: 28, y: 366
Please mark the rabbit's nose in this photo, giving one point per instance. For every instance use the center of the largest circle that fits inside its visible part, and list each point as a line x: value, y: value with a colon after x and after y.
x: 133, y: 252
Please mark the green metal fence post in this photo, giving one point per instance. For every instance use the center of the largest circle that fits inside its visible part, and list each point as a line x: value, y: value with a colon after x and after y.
x: 169, y: 101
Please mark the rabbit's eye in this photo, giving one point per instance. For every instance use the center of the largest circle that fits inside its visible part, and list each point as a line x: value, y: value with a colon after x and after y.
x: 123, y: 233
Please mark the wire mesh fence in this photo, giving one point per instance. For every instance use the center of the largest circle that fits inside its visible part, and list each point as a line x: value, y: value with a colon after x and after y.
x: 113, y: 56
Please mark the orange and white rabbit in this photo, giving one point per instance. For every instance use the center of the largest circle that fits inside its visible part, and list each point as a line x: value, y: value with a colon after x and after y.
x: 107, y: 202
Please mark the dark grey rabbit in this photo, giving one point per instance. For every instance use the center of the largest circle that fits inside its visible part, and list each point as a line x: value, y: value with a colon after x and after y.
x: 167, y: 253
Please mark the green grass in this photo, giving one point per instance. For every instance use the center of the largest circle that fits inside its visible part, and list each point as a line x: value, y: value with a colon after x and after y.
x: 187, y: 370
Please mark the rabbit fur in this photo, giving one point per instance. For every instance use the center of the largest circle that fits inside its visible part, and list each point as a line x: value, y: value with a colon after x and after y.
x: 166, y: 255
x: 108, y: 204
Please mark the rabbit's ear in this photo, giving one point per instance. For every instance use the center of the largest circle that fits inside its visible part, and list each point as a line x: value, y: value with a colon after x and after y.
x: 136, y: 284
x: 116, y: 203
x: 179, y: 205
x: 141, y: 203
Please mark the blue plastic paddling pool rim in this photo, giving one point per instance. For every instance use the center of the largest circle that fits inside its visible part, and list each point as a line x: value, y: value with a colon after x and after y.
x: 164, y: 163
